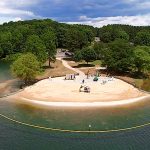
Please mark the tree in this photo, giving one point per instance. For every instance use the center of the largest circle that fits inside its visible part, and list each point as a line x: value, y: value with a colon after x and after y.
x: 110, y: 33
x: 49, y: 40
x: 6, y: 42
x: 36, y: 46
x: 78, y: 56
x: 99, y: 49
x: 17, y: 40
x: 142, y: 59
x: 89, y: 35
x: 26, y: 67
x: 62, y: 37
x: 143, y: 38
x: 88, y: 54
x: 122, y: 35
x: 1, y: 52
x: 118, y: 56
x: 76, y: 39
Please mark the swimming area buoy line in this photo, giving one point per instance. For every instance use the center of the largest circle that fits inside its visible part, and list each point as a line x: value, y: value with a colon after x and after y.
x: 73, y: 131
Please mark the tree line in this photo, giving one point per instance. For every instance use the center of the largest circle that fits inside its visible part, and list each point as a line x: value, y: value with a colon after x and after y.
x: 122, y: 48
x: 42, y: 37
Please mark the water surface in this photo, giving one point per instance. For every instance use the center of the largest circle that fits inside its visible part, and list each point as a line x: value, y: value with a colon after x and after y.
x: 5, y: 73
x: 14, y: 136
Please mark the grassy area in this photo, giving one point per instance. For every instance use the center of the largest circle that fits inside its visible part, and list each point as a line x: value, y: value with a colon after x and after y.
x: 143, y: 84
x: 83, y: 64
x: 97, y: 62
x: 57, y: 70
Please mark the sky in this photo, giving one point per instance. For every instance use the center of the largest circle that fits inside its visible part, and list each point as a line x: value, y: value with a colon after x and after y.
x: 91, y: 12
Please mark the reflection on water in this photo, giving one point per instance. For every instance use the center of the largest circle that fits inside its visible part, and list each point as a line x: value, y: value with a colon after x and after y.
x: 7, y: 83
x: 5, y: 71
x: 79, y: 118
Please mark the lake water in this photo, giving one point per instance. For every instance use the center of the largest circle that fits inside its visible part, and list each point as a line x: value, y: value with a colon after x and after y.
x: 5, y: 71
x: 14, y: 136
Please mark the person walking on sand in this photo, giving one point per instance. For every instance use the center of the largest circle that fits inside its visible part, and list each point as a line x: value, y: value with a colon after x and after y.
x: 83, y: 81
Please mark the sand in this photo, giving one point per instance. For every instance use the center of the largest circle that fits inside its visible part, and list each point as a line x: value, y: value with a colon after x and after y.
x: 60, y: 92
x: 63, y: 91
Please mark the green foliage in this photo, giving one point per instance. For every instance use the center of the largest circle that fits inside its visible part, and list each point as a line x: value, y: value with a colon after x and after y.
x: 26, y: 67
x: 42, y: 37
x: 78, y: 56
x: 111, y: 33
x: 97, y: 62
x: 36, y: 46
x: 5, y: 42
x: 143, y: 38
x: 62, y: 37
x: 12, y: 57
x: 118, y: 56
x: 49, y: 39
x: 89, y: 35
x: 130, y: 30
x: 17, y: 40
x: 122, y: 35
x: 7, y: 48
x: 34, y: 36
x: 99, y: 48
x: 1, y: 52
x: 76, y: 39
x: 142, y: 59
x: 143, y: 84
x: 88, y: 54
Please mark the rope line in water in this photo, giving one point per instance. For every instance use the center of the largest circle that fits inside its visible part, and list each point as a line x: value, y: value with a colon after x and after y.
x: 72, y: 131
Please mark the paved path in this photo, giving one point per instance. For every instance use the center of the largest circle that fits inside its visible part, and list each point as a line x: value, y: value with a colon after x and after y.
x: 69, y: 67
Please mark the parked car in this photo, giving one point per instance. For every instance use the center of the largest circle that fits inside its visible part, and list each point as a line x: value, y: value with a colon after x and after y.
x: 68, y: 54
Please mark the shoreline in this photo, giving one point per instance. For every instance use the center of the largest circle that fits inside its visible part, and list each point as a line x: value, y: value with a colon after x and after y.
x: 59, y: 92
x: 45, y: 93
x: 86, y: 104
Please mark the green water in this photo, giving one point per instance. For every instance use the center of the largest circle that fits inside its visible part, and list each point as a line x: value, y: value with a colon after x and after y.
x: 79, y: 119
x: 19, y: 137
x: 15, y: 137
x: 5, y: 71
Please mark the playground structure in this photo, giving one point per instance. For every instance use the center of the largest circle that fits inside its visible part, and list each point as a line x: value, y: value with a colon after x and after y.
x: 95, y: 79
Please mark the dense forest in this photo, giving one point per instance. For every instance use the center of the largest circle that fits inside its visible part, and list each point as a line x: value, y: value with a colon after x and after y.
x: 122, y: 48
x: 20, y: 36
x: 17, y: 36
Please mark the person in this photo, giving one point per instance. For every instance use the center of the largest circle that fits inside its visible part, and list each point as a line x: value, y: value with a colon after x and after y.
x: 83, y: 81
x: 50, y: 78
x: 80, y: 88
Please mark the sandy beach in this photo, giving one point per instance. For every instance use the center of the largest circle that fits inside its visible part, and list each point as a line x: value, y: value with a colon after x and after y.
x: 61, y: 92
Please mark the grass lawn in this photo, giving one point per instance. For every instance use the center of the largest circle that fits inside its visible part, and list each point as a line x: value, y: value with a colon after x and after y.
x: 143, y: 84
x: 97, y: 62
x: 57, y: 70
x: 83, y: 64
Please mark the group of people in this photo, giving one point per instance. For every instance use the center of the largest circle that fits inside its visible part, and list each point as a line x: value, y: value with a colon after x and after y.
x: 70, y: 77
x: 84, y: 89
